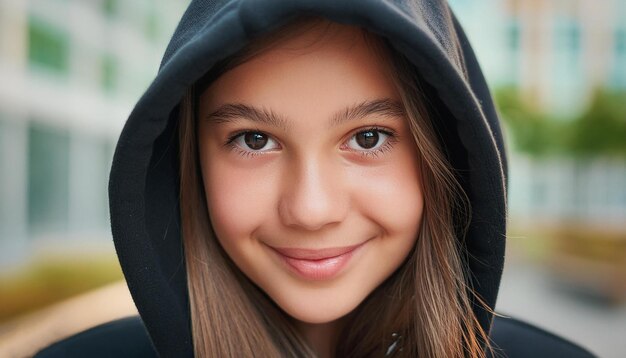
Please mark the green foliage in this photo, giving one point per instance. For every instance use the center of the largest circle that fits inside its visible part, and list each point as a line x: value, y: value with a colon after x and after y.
x: 532, y: 132
x: 48, y: 281
x: 599, y: 131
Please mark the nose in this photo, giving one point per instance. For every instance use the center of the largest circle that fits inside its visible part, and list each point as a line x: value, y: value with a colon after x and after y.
x: 313, y: 196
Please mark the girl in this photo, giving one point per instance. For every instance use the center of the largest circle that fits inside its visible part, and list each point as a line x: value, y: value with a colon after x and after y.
x: 311, y: 179
x: 323, y: 179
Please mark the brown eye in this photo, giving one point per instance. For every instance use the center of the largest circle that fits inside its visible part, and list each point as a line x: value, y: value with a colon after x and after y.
x: 255, y: 140
x: 367, y: 139
x: 370, y: 140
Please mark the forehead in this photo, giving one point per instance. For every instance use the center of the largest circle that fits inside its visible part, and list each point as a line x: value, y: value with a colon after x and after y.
x: 323, y: 66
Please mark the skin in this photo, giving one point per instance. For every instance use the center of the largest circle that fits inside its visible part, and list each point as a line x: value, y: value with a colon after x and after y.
x: 312, y: 185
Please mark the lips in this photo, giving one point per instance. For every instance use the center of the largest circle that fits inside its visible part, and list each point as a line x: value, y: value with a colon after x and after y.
x: 317, y: 265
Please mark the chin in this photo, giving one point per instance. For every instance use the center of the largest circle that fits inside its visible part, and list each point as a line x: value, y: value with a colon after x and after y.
x: 319, y: 311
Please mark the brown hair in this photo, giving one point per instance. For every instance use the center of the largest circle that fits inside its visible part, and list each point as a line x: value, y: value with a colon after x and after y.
x: 424, y: 309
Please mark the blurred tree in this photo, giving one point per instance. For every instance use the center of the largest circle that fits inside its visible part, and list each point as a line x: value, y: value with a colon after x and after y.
x: 532, y: 131
x: 599, y: 131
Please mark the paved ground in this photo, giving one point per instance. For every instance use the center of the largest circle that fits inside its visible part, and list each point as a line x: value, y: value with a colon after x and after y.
x: 526, y: 293
x: 27, y: 335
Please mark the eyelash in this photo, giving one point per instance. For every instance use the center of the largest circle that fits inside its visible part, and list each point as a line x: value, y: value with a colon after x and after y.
x: 392, y: 138
x: 375, y: 153
x: 230, y: 143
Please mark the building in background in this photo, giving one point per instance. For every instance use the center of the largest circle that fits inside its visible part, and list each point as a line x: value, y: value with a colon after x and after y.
x: 71, y: 71
x: 556, y: 52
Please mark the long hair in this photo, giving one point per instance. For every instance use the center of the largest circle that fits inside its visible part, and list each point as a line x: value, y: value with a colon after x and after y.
x: 423, y: 309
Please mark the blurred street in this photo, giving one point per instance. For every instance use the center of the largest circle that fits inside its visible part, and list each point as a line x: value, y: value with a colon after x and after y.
x: 529, y: 294
x: 25, y: 336
x: 526, y: 293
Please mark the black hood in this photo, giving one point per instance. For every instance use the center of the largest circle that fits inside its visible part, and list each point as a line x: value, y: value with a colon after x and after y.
x: 144, y: 186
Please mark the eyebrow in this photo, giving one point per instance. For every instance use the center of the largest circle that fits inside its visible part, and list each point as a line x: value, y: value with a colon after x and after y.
x: 232, y: 111
x: 383, y: 107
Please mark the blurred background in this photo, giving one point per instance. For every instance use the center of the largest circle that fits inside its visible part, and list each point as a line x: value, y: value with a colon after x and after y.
x: 71, y: 71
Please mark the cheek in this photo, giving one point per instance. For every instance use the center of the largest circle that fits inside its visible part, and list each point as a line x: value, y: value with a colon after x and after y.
x: 234, y: 198
x: 392, y: 197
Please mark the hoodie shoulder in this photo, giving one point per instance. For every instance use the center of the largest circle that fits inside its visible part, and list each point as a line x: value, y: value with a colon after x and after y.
x: 126, y: 337
x: 513, y: 338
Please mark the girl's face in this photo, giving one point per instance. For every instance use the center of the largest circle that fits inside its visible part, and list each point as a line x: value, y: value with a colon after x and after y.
x: 311, y: 172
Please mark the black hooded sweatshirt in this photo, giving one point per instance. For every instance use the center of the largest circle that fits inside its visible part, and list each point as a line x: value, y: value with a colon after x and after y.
x: 144, y: 187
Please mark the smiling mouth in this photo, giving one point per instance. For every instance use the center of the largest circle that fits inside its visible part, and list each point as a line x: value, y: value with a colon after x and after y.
x: 317, y: 265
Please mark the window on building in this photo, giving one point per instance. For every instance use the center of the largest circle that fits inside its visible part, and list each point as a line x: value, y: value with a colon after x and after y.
x: 3, y: 166
x: 514, y: 35
x: 572, y: 37
x: 152, y: 23
x: 109, y: 73
x: 90, y: 166
x: 618, y: 79
x: 48, y: 179
x: 567, y: 36
x: 512, y: 38
x: 110, y: 7
x: 48, y: 46
x: 620, y: 42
